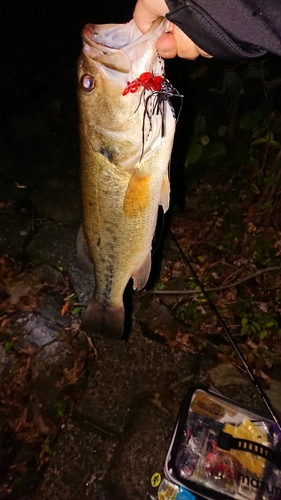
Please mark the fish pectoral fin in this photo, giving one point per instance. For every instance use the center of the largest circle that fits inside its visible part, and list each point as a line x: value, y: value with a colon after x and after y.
x: 141, y: 276
x: 165, y: 193
x: 82, y: 253
x: 138, y: 195
x: 103, y: 319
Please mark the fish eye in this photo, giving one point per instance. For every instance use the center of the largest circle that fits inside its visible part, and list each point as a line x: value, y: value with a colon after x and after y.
x: 88, y: 83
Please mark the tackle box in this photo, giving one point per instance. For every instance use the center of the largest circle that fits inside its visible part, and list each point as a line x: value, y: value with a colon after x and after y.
x: 220, y: 451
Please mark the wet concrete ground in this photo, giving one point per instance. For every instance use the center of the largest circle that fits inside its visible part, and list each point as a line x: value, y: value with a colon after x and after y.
x: 122, y: 423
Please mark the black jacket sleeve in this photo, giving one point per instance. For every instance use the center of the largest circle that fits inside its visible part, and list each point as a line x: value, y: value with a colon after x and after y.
x: 230, y: 29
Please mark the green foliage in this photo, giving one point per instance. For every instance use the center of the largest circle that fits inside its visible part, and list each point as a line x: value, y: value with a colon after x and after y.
x: 236, y: 120
x: 72, y: 300
x: 158, y: 286
x: 236, y: 133
x: 256, y: 323
x: 76, y: 310
x: 263, y: 325
x: 191, y: 313
x: 263, y: 252
x: 61, y: 409
x: 49, y: 441
x: 9, y: 346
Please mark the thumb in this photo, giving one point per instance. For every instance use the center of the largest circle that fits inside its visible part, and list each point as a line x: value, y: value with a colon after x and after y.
x: 146, y: 11
x: 143, y: 18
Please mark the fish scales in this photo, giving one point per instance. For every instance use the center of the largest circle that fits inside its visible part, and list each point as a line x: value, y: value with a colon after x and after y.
x: 123, y: 179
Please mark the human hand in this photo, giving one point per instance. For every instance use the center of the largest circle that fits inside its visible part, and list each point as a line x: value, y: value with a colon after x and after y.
x: 170, y: 44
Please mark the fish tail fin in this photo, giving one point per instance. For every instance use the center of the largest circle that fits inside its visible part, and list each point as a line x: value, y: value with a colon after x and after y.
x: 102, y: 319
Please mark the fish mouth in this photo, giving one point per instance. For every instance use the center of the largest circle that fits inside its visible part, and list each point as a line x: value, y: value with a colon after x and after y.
x: 115, y: 46
x: 110, y: 37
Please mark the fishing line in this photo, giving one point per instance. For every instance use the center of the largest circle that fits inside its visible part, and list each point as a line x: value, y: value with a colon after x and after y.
x: 157, y: 101
x: 228, y: 334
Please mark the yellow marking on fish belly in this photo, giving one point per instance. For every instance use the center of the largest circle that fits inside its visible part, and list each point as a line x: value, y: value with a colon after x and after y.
x: 137, y: 197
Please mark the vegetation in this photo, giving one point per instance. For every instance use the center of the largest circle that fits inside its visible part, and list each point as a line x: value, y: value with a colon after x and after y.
x: 230, y: 229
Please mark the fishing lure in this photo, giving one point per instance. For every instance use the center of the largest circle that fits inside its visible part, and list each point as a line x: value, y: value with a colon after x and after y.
x: 146, y: 80
x: 161, y: 89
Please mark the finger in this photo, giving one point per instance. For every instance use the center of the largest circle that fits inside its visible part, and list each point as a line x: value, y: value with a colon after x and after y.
x: 203, y: 53
x: 186, y: 48
x: 146, y: 11
x: 142, y: 18
x: 144, y: 15
x: 167, y: 45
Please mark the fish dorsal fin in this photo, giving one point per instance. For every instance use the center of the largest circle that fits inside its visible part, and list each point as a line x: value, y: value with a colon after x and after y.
x: 165, y: 193
x: 118, y: 61
x: 141, y: 275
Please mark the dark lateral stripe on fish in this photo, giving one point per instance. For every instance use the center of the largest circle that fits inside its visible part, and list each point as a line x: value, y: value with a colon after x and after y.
x: 106, y: 320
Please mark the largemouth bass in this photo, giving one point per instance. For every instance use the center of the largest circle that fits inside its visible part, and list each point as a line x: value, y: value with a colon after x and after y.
x: 126, y: 135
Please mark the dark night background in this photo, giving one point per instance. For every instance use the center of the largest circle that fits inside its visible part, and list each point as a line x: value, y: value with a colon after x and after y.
x: 41, y: 42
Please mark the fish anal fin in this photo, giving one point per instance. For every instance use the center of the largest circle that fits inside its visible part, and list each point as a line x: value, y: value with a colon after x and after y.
x: 108, y: 321
x: 82, y: 253
x: 165, y: 194
x: 138, y: 196
x: 141, y: 276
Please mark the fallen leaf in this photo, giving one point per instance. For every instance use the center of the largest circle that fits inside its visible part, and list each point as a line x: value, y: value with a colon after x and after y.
x: 71, y: 376
x: 64, y: 308
x: 227, y: 374
x: 19, y: 290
